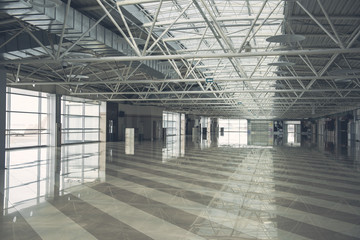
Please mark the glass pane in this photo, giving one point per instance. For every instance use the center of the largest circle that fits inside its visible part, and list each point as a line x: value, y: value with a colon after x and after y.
x: 24, y: 121
x: 24, y: 103
x: 91, y: 122
x: 45, y: 139
x: 7, y: 101
x: 74, y: 122
x: 44, y: 105
x: 92, y: 110
x: 71, y: 137
x: 25, y: 92
x: 44, y: 121
x: 92, y: 136
x: 7, y: 142
x: 78, y: 120
x: 291, y: 128
x: 243, y: 125
x: 25, y: 140
x: 75, y: 109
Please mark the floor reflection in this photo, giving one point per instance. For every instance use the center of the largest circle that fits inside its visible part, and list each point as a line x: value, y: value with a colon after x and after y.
x: 39, y: 174
x: 174, y: 147
x: 232, y: 139
x: 216, y: 186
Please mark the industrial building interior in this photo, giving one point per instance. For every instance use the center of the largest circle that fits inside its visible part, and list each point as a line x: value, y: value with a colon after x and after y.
x: 179, y: 119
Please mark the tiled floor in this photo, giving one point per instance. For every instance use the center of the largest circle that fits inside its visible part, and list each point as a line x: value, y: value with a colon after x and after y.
x: 181, y: 189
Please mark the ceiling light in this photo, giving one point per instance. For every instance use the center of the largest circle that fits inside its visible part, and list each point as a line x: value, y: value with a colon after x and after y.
x: 247, y: 47
x: 75, y: 55
x: 281, y: 64
x: 286, y: 38
x: 344, y: 80
x: 77, y: 76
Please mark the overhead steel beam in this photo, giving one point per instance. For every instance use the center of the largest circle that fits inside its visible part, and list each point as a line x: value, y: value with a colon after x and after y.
x: 349, y: 43
x: 318, y: 23
x: 221, y: 91
x: 328, y: 51
x: 249, y: 18
x: 132, y: 2
x: 146, y: 81
x: 98, y: 39
x: 196, y: 37
x: 218, y: 19
x: 196, y: 99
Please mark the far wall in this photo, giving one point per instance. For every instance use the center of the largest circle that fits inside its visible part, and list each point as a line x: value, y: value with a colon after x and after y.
x: 146, y: 120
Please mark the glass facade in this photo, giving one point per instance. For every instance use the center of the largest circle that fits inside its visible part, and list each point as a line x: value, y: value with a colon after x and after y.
x: 261, y: 133
x: 32, y: 173
x: 171, y: 122
x: 27, y: 118
x: 233, y: 125
x: 80, y: 120
x: 233, y: 132
x: 174, y: 129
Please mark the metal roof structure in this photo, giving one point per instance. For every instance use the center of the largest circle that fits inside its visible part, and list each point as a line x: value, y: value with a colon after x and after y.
x: 255, y: 59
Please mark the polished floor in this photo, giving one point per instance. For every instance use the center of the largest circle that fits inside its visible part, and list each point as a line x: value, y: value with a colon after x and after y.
x: 183, y: 188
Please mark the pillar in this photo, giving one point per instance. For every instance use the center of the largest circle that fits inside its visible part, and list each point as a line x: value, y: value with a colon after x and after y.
x: 2, y: 116
x: 55, y: 120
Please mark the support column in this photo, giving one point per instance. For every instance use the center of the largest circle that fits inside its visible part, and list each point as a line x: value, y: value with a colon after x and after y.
x: 58, y: 121
x: 55, y: 120
x: 2, y: 116
x: 2, y: 132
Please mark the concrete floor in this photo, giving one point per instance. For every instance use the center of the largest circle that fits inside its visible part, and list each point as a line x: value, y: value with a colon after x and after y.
x: 183, y: 188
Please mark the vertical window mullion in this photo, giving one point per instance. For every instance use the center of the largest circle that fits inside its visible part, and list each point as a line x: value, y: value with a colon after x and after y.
x: 98, y: 126
x: 8, y: 118
x: 39, y: 119
x: 83, y: 122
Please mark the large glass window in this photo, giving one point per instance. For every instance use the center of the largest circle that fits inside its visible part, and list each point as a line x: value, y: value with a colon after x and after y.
x: 80, y: 120
x: 174, y: 126
x: 233, y: 132
x: 261, y: 133
x: 32, y: 173
x: 171, y: 122
x: 233, y: 125
x: 293, y: 133
x: 27, y: 118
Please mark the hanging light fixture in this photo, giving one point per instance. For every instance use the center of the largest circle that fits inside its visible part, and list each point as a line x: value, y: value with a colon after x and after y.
x: 77, y: 76
x: 285, y: 47
x: 247, y: 47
